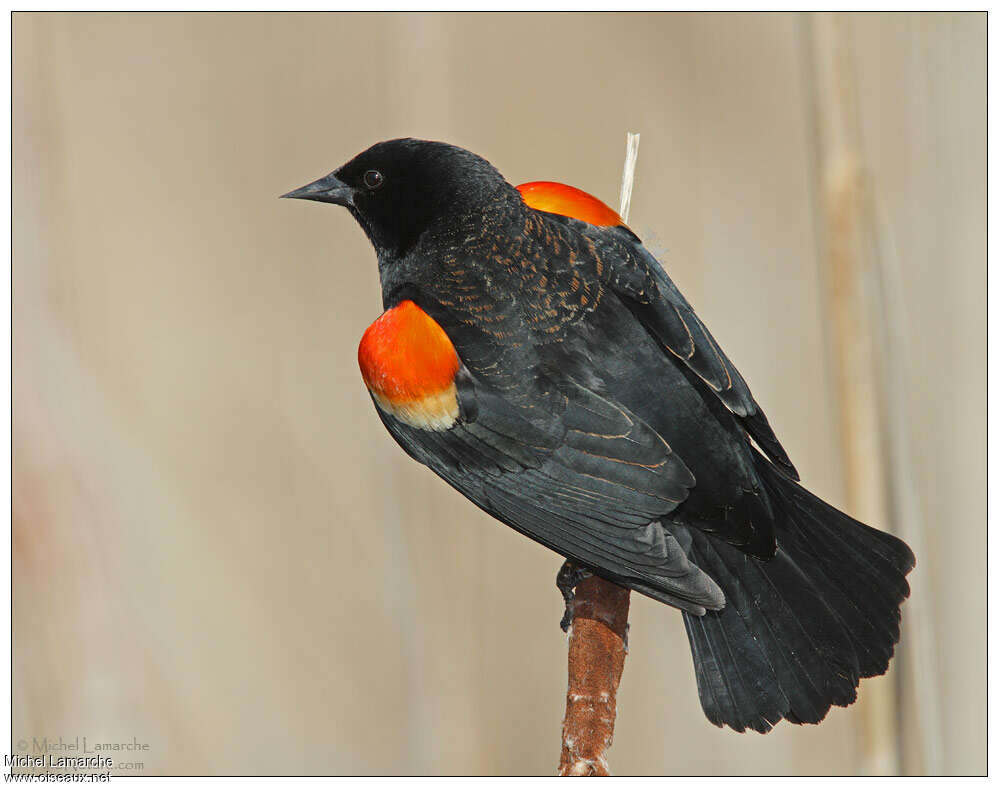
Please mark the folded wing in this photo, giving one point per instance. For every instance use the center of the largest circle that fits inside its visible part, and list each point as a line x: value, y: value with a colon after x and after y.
x: 586, y: 478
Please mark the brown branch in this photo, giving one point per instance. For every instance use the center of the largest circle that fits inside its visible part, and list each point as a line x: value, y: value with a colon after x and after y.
x: 598, y: 642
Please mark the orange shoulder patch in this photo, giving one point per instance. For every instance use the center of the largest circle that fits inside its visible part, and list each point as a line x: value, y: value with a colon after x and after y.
x: 408, y: 364
x: 568, y: 201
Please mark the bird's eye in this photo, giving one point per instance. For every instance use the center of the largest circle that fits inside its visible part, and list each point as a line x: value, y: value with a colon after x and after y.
x: 373, y: 179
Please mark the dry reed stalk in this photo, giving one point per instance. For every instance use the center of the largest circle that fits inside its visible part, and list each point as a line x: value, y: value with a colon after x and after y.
x: 864, y: 340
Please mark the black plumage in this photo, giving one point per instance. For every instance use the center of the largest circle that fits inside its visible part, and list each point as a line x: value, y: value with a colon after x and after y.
x: 599, y: 417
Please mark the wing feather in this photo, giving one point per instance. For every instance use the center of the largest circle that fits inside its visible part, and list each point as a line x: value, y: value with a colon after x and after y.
x: 590, y: 480
x: 660, y: 306
x: 642, y: 284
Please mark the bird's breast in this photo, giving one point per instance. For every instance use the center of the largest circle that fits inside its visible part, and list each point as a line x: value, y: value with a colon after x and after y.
x: 409, y: 364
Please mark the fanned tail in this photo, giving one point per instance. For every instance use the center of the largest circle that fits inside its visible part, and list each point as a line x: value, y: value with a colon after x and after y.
x: 799, y: 631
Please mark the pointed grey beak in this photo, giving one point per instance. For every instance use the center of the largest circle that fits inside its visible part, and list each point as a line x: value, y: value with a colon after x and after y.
x: 329, y: 189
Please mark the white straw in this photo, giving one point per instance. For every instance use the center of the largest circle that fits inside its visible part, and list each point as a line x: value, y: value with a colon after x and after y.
x: 628, y: 176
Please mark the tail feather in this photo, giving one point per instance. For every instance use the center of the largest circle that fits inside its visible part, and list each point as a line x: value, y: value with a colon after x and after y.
x: 799, y: 631
x: 753, y: 695
x: 867, y: 588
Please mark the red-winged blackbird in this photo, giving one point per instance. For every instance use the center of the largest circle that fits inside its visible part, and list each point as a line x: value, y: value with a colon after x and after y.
x: 537, y: 357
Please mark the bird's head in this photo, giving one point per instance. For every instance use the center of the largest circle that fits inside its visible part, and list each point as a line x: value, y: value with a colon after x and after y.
x: 399, y: 189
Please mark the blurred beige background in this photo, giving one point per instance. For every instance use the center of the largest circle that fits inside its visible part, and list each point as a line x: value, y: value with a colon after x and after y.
x: 217, y: 548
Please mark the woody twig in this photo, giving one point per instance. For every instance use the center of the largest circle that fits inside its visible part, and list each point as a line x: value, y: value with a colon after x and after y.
x: 597, y: 647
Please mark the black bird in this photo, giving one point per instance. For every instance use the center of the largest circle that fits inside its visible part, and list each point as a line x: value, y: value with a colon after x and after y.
x: 538, y: 358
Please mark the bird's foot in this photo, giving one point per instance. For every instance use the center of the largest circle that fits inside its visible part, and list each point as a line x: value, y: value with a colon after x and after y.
x: 569, y: 576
